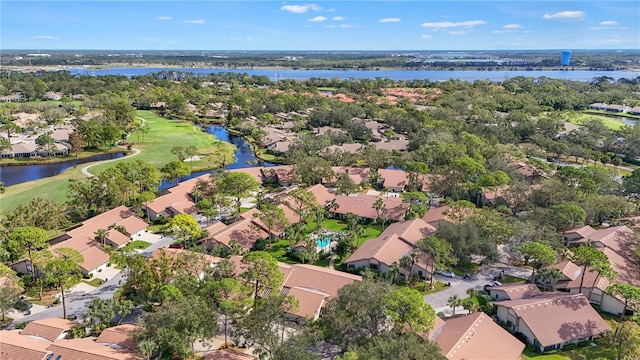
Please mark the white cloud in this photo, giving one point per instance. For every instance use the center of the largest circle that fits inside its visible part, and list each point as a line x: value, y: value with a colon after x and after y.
x: 425, y: 36
x: 565, y: 15
x: 389, y: 20
x: 458, y: 32
x: 318, y: 19
x: 164, y: 18
x: 248, y: 38
x: 199, y: 21
x: 449, y: 24
x: 330, y: 26
x: 609, y: 23
x: 346, y: 26
x: 512, y: 26
x: 301, y: 9
x: 338, y: 18
x: 45, y: 37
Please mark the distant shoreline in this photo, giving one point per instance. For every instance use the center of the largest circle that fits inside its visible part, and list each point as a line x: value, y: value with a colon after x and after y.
x: 276, y: 67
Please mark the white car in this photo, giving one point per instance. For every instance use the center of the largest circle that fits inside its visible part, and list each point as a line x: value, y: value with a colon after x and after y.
x: 449, y: 274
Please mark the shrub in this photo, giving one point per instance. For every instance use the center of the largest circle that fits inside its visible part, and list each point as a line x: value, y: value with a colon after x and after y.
x: 584, y: 343
x: 56, y: 301
x: 569, y: 347
x: 22, y: 325
x: 260, y: 245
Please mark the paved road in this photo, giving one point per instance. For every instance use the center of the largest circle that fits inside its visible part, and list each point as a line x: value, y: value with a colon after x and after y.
x: 477, y: 281
x: 78, y: 302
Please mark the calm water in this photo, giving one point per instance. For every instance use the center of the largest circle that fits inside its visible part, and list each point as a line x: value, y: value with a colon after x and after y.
x: 433, y: 75
x: 244, y: 156
x: 12, y: 175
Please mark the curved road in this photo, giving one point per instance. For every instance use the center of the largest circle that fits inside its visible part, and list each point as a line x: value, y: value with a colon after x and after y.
x: 85, y: 170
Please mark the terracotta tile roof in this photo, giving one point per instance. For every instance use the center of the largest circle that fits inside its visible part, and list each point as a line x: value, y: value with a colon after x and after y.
x: 322, y: 194
x: 385, y: 249
x: 318, y: 278
x: 570, y: 270
x: 120, y: 335
x: 309, y: 301
x: 244, y: 231
x: 392, y: 145
x: 556, y: 318
x: 411, y: 231
x: 178, y: 199
x: 227, y: 354
x: 437, y: 327
x: 393, y: 178
x: 518, y: 291
x: 583, y: 231
x: 358, y: 175
x: 86, y: 349
x: 14, y: 346
x: 117, y: 237
x: 477, y: 337
x: 362, y: 205
x: 50, y: 329
x: 434, y: 216
x: 589, y: 278
x: 133, y: 224
x: 93, y: 258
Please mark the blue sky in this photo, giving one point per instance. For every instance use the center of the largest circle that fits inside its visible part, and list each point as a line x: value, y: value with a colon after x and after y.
x: 319, y: 25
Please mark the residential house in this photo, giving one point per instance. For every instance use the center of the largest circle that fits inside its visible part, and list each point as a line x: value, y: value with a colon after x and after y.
x: 51, y: 329
x: 363, y: 206
x: 119, y: 337
x: 634, y: 110
x: 476, y: 337
x: 53, y: 95
x: 394, y: 180
x: 514, y: 291
x: 174, y: 201
x: 87, y: 349
x: 435, y: 216
x: 243, y: 233
x: 312, y: 286
x: 391, y: 145
x: 552, y: 320
x: 196, y: 263
x: 358, y: 175
x: 14, y: 346
x: 396, y: 241
x: 82, y: 238
x: 12, y: 97
x: 345, y: 148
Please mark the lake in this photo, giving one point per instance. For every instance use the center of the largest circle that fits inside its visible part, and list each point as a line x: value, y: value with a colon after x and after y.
x: 12, y: 175
x: 433, y: 75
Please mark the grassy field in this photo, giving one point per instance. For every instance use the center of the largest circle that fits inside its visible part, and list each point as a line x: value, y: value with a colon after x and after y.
x: 156, y: 149
x: 165, y: 134
x: 609, y: 122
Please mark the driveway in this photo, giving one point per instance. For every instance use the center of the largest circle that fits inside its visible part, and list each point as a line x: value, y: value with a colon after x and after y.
x: 477, y: 281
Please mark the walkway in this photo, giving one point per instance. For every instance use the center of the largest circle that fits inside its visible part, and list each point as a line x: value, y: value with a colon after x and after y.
x: 85, y: 170
x: 332, y: 260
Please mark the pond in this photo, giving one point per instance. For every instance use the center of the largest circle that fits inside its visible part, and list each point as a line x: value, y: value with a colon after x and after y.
x: 12, y: 175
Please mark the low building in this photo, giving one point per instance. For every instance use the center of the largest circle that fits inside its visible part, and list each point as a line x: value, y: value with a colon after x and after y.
x: 398, y: 240
x: 476, y: 337
x: 14, y: 346
x: 514, y: 291
x: 227, y: 354
x: 119, y: 337
x: 363, y: 206
x: 552, y: 320
x: 51, y: 329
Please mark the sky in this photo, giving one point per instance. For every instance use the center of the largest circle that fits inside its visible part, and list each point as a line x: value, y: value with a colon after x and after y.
x: 319, y: 25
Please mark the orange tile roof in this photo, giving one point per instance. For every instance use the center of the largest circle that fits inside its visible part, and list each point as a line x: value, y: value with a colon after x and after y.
x: 477, y: 337
x: 121, y: 335
x: 309, y: 301
x: 50, y: 329
x: 244, y: 231
x: 362, y: 205
x: 556, y: 318
x: 393, y: 178
x: 86, y: 349
x: 518, y: 291
x: 93, y: 258
x: 117, y: 237
x: 133, y: 224
x: 14, y: 346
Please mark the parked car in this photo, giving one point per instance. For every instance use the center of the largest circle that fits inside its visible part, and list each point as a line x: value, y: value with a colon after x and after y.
x: 497, y: 283
x: 177, y: 246
x: 445, y: 273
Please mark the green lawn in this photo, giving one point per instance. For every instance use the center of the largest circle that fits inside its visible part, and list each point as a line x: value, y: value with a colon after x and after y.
x: 530, y: 354
x: 583, y: 353
x: 508, y: 279
x: 139, y: 244
x: 154, y: 229
x: 609, y: 122
x: 94, y: 282
x: 437, y: 287
x: 370, y: 231
x: 164, y: 134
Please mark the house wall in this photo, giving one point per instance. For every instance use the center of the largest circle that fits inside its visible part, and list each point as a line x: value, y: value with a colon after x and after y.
x: 572, y: 237
x: 21, y: 267
x: 95, y: 271
x: 133, y: 236
x: 498, y: 294
x: 611, y: 304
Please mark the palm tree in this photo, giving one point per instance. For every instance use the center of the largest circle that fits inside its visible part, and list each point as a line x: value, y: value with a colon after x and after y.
x: 454, y: 301
x: 101, y: 235
x: 406, y: 263
x: 394, y: 271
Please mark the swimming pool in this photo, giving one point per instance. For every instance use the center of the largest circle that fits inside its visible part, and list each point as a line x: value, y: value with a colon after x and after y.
x: 323, y: 243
